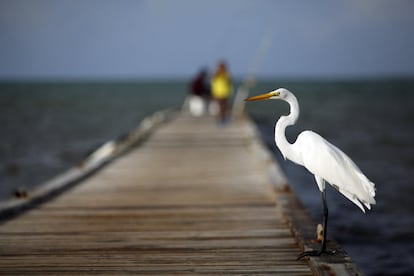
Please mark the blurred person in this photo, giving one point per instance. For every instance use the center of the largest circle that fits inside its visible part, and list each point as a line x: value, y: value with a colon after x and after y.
x: 199, y: 93
x: 221, y: 89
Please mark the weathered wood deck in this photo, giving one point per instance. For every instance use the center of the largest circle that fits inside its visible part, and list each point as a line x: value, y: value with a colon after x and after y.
x: 195, y: 198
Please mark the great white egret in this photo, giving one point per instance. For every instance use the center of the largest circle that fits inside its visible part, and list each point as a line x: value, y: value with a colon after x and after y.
x: 324, y: 160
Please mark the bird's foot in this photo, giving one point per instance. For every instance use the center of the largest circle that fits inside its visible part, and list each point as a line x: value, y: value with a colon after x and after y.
x: 314, y: 253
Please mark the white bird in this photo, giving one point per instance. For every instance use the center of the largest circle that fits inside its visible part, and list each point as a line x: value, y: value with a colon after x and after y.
x: 321, y: 158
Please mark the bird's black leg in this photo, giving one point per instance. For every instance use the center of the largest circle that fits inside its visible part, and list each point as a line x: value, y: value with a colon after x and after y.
x: 322, y: 250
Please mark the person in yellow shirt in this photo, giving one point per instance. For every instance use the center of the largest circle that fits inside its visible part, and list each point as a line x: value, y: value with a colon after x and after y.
x: 221, y: 89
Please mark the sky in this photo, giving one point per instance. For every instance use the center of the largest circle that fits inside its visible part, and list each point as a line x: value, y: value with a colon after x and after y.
x: 121, y: 39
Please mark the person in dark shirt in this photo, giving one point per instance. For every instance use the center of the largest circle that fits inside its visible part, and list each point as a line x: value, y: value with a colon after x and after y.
x: 199, y: 94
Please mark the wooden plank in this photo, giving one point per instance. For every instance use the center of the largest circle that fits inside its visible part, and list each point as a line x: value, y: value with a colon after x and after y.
x: 193, y: 199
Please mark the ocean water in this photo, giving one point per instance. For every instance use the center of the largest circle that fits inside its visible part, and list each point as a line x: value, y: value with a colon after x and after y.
x: 45, y: 128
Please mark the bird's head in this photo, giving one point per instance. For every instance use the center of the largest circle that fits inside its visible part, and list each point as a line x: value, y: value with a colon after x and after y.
x: 278, y: 94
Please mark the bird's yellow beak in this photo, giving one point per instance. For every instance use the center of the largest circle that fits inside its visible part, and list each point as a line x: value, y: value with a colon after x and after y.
x: 265, y: 96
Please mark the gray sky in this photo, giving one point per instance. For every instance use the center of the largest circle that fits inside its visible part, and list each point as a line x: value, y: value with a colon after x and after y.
x: 174, y: 38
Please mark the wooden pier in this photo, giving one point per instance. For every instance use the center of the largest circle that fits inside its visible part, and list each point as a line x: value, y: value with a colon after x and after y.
x: 192, y: 199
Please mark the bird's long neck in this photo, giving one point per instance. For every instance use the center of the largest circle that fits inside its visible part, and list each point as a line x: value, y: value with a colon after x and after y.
x: 287, y: 149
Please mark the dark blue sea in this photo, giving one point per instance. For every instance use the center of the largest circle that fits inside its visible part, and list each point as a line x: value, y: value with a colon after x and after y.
x: 45, y: 128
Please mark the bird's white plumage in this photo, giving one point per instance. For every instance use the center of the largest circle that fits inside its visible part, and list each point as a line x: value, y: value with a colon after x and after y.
x: 323, y: 159
x: 331, y: 164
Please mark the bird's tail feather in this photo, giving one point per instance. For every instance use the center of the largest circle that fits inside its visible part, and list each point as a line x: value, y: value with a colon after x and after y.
x: 360, y: 202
